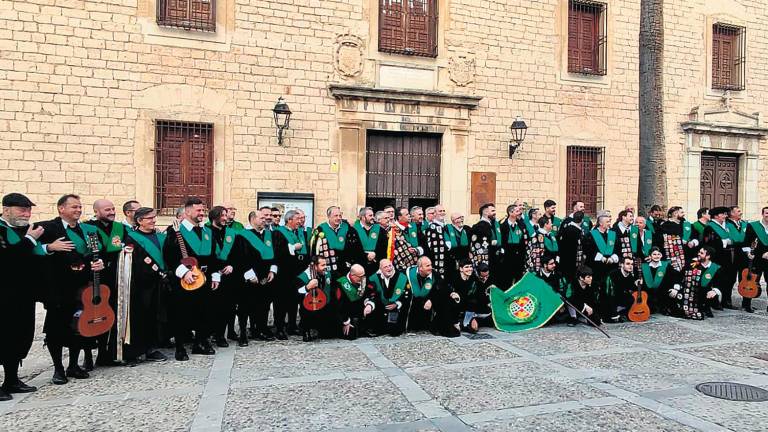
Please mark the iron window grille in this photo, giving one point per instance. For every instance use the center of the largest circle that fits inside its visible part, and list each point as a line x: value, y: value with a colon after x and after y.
x: 728, y: 57
x: 408, y: 27
x: 187, y: 14
x: 587, y: 37
x: 585, y: 179
x: 183, y: 164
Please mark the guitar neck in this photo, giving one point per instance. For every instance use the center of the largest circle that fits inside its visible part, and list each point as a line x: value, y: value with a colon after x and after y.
x: 182, y: 245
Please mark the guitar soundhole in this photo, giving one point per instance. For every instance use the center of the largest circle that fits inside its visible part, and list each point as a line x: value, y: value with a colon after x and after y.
x: 96, y: 300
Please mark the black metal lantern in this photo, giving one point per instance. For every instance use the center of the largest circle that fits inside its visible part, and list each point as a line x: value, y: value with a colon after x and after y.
x: 518, y: 129
x: 282, y: 118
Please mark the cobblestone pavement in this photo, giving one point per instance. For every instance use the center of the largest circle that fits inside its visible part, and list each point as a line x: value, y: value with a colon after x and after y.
x: 551, y: 379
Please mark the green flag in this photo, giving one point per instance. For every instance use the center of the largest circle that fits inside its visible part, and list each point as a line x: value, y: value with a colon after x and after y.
x: 529, y: 304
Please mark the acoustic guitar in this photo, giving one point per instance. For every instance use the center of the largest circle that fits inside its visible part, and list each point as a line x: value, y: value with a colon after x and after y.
x: 189, y: 262
x: 315, y: 299
x: 97, y: 316
x: 748, y: 285
x: 639, y: 311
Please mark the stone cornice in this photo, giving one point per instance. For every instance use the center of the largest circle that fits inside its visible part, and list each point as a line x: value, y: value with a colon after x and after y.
x: 340, y: 91
x: 720, y: 128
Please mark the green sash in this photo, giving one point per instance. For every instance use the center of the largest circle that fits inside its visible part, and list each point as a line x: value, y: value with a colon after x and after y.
x: 514, y: 235
x: 400, y: 285
x: 118, y: 230
x: 709, y: 274
x: 368, y: 238
x: 264, y: 247
x: 649, y: 225
x: 452, y: 232
x: 222, y: 252
x: 81, y: 245
x: 150, y: 247
x: 237, y: 226
x: 550, y: 243
x: 293, y: 239
x: 723, y: 233
x: 699, y: 227
x: 417, y: 289
x: 353, y: 293
x: 556, y: 222
x: 201, y: 247
x: 585, y: 224
x: 529, y: 227
x: 334, y: 242
x: 605, y: 249
x: 634, y: 234
x: 651, y: 281
x: 14, y: 238
x: 738, y: 233
x: 687, y: 230
x: 760, y: 231
x: 411, y: 235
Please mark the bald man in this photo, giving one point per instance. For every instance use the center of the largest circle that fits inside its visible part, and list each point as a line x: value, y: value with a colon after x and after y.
x: 393, y: 298
x: 112, y: 237
x: 435, y: 306
x: 356, y: 304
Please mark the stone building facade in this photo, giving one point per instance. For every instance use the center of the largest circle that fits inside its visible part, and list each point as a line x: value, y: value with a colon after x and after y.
x: 159, y: 99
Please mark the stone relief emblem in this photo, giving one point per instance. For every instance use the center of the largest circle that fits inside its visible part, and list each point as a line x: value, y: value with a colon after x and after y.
x: 461, y: 70
x: 349, y: 55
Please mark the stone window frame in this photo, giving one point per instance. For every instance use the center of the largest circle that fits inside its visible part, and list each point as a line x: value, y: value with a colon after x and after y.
x: 597, y: 11
x: 371, y: 10
x: 218, y: 40
x: 165, y: 18
x: 567, y: 77
x: 391, y: 45
x: 710, y: 91
x: 737, y: 34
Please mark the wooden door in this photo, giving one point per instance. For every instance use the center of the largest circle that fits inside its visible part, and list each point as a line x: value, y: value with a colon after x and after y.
x: 719, y: 180
x: 402, y: 169
x: 585, y: 177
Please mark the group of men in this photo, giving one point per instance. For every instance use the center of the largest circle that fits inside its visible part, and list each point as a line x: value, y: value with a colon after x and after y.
x: 204, y: 282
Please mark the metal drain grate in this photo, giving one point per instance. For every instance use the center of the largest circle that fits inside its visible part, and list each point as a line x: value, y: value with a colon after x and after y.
x: 478, y: 336
x: 733, y: 391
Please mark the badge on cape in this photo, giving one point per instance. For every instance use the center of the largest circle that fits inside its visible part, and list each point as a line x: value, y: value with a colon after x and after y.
x: 373, y: 235
x: 341, y: 239
x: 206, y: 236
x: 228, y: 239
x: 661, y: 273
x: 413, y: 234
x: 116, y: 241
x: 708, y: 276
x: 321, y: 234
x: 398, y: 291
x: 268, y: 243
x: 148, y: 260
x: 428, y: 285
x: 634, y: 235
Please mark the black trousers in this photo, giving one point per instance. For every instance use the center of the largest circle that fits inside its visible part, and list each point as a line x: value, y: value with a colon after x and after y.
x: 284, y: 302
x: 728, y: 281
x: 224, y: 303
x: 254, y: 302
x: 191, y: 310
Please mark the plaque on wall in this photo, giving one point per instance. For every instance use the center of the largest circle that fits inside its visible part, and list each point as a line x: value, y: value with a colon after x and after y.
x: 483, y: 189
x: 289, y: 201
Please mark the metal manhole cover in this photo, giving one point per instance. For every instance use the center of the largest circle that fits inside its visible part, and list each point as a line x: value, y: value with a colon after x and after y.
x: 733, y: 391
x: 477, y: 336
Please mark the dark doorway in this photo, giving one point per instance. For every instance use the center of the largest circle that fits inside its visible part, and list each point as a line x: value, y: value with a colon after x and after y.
x: 719, y: 180
x: 402, y: 169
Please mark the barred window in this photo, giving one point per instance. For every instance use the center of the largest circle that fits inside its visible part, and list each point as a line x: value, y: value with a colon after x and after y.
x: 728, y: 57
x: 183, y: 163
x: 408, y: 27
x: 187, y: 14
x: 587, y: 35
x: 585, y: 177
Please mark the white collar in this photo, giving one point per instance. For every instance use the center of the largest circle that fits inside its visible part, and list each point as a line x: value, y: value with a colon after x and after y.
x: 622, y: 227
x: 66, y: 225
x: 437, y: 222
x: 386, y: 279
x: 459, y: 228
x: 763, y: 224
x: 654, y: 264
x: 541, y: 230
x: 402, y: 228
x: 574, y: 224
x: 126, y: 223
x: 545, y: 273
x: 721, y: 225
x: 510, y: 222
x: 625, y: 273
x: 486, y: 219
x: 708, y: 264
x: 187, y: 224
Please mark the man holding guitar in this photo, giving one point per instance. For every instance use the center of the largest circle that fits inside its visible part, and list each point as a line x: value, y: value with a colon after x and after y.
x: 20, y: 253
x: 68, y: 268
x: 188, y: 255
x: 757, y: 240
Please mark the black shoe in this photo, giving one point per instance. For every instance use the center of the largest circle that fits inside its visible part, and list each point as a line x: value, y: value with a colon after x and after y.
x: 709, y: 314
x: 4, y: 396
x: 615, y: 320
x: 131, y: 362
x: 107, y: 362
x: 280, y: 335
x: 293, y: 331
x: 77, y: 373
x: 88, y: 364
x: 203, y: 349
x: 221, y: 342
x: 749, y: 309
x: 370, y: 334
x: 265, y: 335
x: 156, y: 356
x: 181, y: 354
x: 253, y: 334
x: 243, y: 340
x: 19, y: 387
x: 730, y: 306
x: 307, y: 336
x: 233, y: 336
x: 59, y: 377
x: 718, y: 307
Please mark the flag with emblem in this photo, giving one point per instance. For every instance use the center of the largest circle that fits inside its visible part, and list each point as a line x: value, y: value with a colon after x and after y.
x: 529, y: 304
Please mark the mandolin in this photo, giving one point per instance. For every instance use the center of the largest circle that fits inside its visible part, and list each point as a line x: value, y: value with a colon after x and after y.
x: 639, y: 311
x: 748, y: 285
x: 315, y: 299
x: 189, y: 262
x: 97, y: 316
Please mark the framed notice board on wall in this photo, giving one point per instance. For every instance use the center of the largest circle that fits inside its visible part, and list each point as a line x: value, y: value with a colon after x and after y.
x: 289, y: 201
x: 483, y: 189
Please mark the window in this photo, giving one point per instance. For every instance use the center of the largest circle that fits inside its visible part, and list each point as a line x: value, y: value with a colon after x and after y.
x: 187, y: 14
x: 408, y: 27
x: 728, y: 57
x: 587, y: 33
x: 585, y: 177
x: 183, y: 163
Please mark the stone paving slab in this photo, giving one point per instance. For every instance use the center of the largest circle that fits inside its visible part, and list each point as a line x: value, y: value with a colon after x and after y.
x: 441, y: 352
x: 737, y: 416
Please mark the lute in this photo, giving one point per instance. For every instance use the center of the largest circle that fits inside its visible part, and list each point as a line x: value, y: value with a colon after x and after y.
x: 189, y: 262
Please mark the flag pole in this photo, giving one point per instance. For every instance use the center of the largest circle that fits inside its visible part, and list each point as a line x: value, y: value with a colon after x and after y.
x: 592, y: 323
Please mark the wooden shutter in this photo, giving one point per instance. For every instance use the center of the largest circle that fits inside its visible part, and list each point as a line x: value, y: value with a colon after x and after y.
x: 586, y: 37
x: 408, y: 27
x: 584, y: 180
x: 728, y: 57
x: 187, y: 14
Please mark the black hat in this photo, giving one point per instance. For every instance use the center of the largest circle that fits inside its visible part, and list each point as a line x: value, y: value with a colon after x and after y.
x: 482, y: 267
x: 16, y: 200
x: 718, y: 211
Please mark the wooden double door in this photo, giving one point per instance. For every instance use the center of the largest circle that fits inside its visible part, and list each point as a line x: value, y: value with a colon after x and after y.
x: 402, y: 169
x: 719, y: 180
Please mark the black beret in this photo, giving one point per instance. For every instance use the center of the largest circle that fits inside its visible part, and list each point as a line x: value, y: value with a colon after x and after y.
x: 16, y: 200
